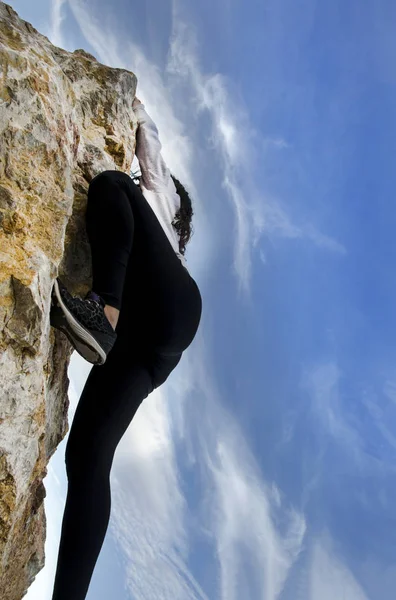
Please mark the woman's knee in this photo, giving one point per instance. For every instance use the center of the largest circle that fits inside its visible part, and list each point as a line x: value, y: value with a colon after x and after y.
x: 100, y: 177
x: 112, y: 175
x: 87, y: 444
x: 115, y: 178
x: 81, y: 459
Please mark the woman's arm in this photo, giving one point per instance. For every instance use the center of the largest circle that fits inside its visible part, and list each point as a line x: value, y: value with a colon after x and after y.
x: 155, y: 173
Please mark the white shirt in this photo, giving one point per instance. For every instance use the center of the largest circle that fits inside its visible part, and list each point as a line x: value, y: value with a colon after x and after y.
x: 156, y: 183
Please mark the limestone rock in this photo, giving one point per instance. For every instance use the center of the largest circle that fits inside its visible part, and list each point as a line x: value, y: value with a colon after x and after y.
x: 64, y: 118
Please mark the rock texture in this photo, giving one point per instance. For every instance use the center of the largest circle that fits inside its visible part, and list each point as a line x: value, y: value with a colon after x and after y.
x: 64, y: 117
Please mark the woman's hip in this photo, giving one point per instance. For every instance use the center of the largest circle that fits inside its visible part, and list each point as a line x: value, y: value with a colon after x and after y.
x: 161, y: 320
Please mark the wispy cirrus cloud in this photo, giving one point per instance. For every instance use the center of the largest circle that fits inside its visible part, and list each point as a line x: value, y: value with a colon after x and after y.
x: 229, y: 135
x: 248, y: 538
x: 238, y: 144
x: 276, y: 221
x: 257, y: 534
x: 56, y: 18
x: 322, y: 384
x: 328, y: 577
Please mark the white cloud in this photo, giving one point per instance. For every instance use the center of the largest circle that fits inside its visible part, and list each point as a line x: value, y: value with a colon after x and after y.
x: 322, y: 240
x: 234, y: 137
x: 241, y: 512
x: 246, y: 531
x: 329, y: 578
x: 56, y: 20
x: 322, y: 383
x: 328, y: 411
x: 272, y: 219
x: 383, y: 417
x: 390, y: 390
x: 279, y: 143
x: 231, y: 134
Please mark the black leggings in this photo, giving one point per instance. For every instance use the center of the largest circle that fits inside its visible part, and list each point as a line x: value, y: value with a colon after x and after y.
x: 135, y: 269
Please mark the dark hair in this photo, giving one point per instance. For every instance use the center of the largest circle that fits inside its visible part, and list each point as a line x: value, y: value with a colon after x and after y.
x: 182, y: 221
x: 183, y: 218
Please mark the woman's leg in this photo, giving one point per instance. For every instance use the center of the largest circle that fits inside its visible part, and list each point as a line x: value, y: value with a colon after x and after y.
x: 110, y: 227
x: 160, y: 312
x: 109, y: 401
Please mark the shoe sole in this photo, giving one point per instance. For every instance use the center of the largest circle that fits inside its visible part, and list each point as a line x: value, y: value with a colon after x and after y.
x: 80, y: 337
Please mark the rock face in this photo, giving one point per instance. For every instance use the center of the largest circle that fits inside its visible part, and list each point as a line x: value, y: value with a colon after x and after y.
x: 64, y: 118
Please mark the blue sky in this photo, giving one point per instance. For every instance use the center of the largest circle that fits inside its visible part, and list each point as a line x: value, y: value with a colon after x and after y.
x: 264, y: 468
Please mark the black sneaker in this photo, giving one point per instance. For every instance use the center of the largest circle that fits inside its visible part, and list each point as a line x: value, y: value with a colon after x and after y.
x: 84, y: 322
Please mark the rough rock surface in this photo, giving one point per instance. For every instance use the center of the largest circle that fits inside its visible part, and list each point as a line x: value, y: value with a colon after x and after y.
x: 64, y: 117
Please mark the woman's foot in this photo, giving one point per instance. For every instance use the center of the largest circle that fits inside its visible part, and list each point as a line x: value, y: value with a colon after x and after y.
x: 84, y: 322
